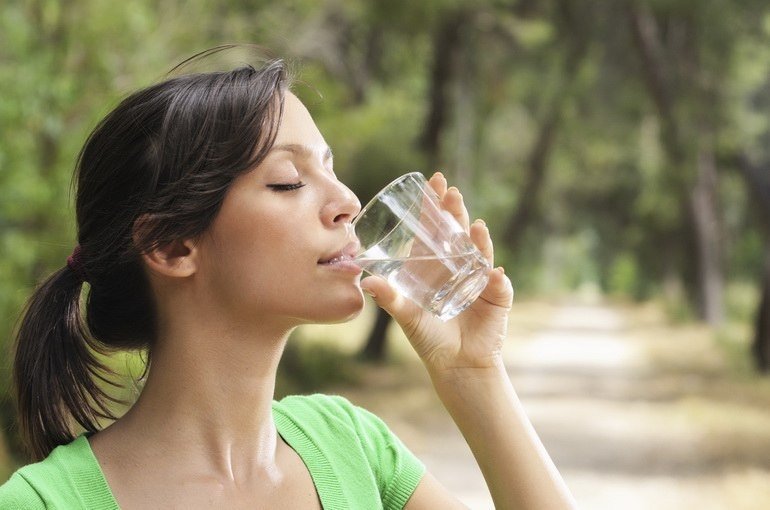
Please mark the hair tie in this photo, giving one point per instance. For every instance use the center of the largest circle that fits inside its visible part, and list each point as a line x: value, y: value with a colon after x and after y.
x: 75, y: 263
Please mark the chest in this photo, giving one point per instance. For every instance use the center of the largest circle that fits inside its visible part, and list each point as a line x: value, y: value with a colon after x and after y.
x: 288, y: 485
x: 294, y: 495
x: 294, y: 491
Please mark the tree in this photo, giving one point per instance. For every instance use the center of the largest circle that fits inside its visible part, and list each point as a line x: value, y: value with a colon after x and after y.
x: 758, y: 182
x: 671, y: 70
x: 571, y: 22
x: 447, y: 41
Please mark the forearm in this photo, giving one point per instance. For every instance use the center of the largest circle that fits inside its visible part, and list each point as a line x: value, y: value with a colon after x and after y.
x: 515, y: 465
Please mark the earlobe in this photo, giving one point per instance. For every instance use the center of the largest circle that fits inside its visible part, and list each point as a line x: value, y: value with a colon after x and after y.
x: 178, y: 259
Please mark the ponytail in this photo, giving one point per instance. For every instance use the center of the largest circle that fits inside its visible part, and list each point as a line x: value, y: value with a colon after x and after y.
x: 55, y: 367
x: 171, y: 152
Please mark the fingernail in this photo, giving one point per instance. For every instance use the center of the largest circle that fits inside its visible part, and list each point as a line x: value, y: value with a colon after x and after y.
x: 369, y: 291
x: 501, y: 269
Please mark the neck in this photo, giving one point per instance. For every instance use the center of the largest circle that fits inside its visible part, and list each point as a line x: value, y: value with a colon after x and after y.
x: 209, y: 392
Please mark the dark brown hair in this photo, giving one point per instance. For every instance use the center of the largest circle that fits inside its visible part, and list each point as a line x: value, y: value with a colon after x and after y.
x: 166, y: 155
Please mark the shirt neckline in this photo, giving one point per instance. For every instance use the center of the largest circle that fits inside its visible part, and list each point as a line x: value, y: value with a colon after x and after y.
x: 95, y: 491
x: 326, y: 482
x: 91, y: 484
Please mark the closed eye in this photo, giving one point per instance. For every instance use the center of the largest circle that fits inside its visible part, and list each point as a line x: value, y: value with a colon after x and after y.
x: 286, y: 187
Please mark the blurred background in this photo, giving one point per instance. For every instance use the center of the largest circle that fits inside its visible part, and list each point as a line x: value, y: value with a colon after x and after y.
x: 619, y: 150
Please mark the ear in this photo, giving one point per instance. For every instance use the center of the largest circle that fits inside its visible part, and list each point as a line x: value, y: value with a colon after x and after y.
x: 177, y: 259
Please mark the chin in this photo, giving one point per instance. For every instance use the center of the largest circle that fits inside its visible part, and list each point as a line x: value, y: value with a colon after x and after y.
x: 347, y: 318
x: 342, y: 310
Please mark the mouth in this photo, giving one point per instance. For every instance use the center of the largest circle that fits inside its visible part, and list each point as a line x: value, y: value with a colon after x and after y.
x: 346, y: 254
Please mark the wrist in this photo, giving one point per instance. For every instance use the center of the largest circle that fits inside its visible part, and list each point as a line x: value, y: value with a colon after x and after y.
x: 465, y: 380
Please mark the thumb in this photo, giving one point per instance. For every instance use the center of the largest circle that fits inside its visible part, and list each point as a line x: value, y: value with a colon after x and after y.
x: 405, y: 311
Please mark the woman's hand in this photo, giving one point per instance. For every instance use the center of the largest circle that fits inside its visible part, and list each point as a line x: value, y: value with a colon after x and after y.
x: 464, y: 359
x: 474, y: 338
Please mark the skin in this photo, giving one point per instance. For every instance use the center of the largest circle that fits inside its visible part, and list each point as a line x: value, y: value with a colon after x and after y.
x: 190, y: 443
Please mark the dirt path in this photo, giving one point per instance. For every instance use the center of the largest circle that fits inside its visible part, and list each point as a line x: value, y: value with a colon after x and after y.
x: 636, y: 414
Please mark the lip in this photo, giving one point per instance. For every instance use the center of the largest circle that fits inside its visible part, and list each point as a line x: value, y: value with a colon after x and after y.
x: 344, y: 266
x: 342, y: 260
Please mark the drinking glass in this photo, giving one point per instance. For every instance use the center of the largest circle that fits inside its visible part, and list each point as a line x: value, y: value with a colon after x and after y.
x: 419, y: 248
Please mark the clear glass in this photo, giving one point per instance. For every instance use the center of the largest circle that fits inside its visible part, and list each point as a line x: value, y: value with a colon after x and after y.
x: 419, y: 248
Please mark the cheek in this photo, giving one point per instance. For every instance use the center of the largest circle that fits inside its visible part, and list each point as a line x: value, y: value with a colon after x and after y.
x: 262, y: 260
x: 264, y: 248
x: 250, y: 227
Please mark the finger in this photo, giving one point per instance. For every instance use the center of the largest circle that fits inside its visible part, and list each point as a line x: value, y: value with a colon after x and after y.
x: 499, y: 290
x: 439, y: 184
x: 405, y: 311
x: 479, y: 234
x: 453, y: 203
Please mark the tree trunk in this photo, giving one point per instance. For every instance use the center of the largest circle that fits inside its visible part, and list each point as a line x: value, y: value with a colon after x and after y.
x: 537, y: 161
x: 761, y: 345
x: 465, y: 123
x: 757, y: 179
x: 533, y: 182
x: 446, y: 44
x: 659, y: 75
x: 707, y: 234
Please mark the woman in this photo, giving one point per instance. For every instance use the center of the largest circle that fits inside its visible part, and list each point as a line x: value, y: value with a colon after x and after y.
x: 210, y: 224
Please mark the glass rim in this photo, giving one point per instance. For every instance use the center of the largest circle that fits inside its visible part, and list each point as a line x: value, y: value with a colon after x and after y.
x: 376, y: 197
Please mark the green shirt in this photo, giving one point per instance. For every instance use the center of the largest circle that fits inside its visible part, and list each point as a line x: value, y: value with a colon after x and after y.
x: 353, y: 458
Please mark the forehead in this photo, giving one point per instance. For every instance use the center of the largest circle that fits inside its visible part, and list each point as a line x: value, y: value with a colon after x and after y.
x: 297, y: 126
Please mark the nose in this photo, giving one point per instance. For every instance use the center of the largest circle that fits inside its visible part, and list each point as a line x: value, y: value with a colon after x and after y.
x: 342, y: 206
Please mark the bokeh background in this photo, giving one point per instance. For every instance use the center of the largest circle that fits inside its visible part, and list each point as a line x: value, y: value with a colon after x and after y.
x: 619, y: 150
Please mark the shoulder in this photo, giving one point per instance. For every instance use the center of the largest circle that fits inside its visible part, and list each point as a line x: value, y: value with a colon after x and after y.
x: 344, y: 431
x: 333, y: 422
x: 318, y: 405
x: 331, y: 414
x: 51, y: 483
x: 17, y: 494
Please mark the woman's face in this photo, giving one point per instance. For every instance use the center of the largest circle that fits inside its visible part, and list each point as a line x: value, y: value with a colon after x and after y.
x: 274, y: 249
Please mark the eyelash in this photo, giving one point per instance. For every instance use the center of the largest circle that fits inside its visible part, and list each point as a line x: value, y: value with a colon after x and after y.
x: 286, y: 187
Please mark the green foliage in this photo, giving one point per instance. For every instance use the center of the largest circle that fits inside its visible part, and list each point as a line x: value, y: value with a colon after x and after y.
x: 312, y: 366
x: 736, y: 335
x: 373, y: 143
x: 740, y: 300
x: 624, y: 276
x: 613, y: 206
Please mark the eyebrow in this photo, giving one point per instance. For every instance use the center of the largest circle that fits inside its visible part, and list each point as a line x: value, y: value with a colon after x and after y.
x: 302, y: 150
